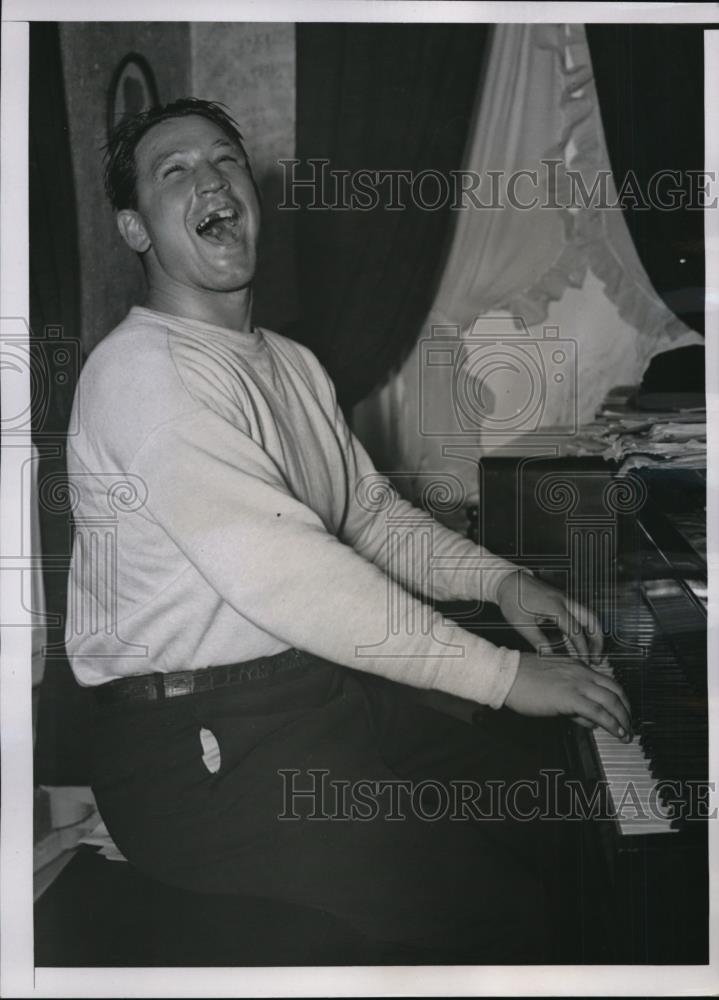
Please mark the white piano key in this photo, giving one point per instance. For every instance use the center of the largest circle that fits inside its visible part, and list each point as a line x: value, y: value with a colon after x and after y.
x: 625, y: 766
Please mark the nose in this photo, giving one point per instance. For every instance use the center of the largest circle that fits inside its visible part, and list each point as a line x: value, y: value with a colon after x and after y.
x: 209, y: 178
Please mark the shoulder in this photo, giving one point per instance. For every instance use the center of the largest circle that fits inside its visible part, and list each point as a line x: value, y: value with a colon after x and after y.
x: 128, y: 386
x: 137, y: 349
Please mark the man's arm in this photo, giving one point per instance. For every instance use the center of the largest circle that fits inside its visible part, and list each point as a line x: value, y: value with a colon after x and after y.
x: 226, y: 505
x: 429, y: 558
x: 384, y: 528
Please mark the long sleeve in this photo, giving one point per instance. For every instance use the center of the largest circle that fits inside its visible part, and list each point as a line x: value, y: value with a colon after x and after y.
x: 386, y: 530
x: 227, y: 506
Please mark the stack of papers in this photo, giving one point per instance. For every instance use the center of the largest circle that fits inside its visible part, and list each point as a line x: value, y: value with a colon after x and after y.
x: 638, y: 438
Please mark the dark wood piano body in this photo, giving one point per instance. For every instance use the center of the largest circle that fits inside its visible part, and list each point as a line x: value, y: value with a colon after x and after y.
x: 615, y: 544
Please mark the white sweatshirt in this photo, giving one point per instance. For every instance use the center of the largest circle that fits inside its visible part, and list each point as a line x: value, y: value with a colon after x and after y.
x: 224, y: 511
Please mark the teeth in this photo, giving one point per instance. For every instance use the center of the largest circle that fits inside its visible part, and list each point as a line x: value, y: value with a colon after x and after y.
x: 222, y: 213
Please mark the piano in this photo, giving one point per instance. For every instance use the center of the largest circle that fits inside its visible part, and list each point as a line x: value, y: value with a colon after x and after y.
x: 633, y: 549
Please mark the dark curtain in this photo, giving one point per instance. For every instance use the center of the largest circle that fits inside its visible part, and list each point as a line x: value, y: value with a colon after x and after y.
x: 377, y: 97
x: 64, y: 709
x: 650, y: 85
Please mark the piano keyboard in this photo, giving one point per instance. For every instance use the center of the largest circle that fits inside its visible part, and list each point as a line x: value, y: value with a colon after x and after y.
x: 632, y: 788
x: 645, y: 880
x: 668, y: 708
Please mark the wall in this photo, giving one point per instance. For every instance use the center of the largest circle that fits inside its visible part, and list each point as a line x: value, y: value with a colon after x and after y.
x: 251, y: 69
x: 111, y: 277
x: 248, y: 67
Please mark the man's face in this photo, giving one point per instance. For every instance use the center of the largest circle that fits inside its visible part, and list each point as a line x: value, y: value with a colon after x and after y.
x: 197, y: 215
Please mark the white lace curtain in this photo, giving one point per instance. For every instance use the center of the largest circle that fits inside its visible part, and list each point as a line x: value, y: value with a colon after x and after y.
x: 571, y: 269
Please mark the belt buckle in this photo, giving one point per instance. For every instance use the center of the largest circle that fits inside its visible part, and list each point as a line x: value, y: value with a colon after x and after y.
x: 175, y: 687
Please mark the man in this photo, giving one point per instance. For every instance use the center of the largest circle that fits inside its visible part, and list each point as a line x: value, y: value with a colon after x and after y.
x: 236, y: 641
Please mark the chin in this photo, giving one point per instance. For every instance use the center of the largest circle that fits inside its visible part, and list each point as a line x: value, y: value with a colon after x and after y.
x: 234, y: 283
x: 234, y: 280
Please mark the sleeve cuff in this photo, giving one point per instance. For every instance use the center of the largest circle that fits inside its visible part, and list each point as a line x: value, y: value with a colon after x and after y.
x: 485, y: 678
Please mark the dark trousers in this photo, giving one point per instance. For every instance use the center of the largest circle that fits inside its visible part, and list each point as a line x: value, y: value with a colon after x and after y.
x: 411, y: 866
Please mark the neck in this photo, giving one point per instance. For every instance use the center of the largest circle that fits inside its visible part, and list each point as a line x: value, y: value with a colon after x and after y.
x: 232, y: 310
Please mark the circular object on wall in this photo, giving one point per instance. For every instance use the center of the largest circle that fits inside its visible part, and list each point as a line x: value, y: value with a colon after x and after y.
x: 132, y: 89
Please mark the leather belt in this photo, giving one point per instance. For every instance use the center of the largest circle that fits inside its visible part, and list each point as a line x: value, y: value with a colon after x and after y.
x: 159, y: 686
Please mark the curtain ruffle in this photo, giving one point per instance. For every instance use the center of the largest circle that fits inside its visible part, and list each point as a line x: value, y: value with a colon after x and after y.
x: 596, y: 238
x: 575, y: 267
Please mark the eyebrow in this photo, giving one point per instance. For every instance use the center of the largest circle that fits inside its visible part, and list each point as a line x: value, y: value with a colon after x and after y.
x: 157, y: 162
x: 221, y: 141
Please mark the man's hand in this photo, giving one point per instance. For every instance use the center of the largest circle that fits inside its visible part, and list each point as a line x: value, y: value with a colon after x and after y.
x: 560, y: 686
x: 525, y: 602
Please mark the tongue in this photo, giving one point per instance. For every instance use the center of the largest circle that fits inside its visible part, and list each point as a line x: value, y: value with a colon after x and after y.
x: 222, y: 231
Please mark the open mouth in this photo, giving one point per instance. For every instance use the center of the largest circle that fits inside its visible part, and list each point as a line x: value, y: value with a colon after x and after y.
x: 220, y: 227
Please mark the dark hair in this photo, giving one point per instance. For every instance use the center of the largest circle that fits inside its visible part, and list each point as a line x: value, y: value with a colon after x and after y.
x: 120, y: 166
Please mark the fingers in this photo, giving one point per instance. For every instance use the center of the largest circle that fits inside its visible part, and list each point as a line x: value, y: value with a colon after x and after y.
x: 603, y: 667
x: 606, y: 710
x: 572, y: 641
x: 591, y: 627
x: 547, y: 643
x: 576, y: 638
x: 569, y: 635
x: 608, y: 682
x: 593, y: 712
x: 613, y: 704
x: 583, y: 636
x: 583, y: 722
x: 582, y: 631
x: 572, y: 626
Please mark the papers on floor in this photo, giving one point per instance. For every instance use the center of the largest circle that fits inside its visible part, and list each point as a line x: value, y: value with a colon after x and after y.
x: 65, y: 817
x: 99, y: 837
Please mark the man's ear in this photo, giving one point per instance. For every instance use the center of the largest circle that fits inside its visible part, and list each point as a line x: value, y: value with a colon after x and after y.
x: 132, y: 229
